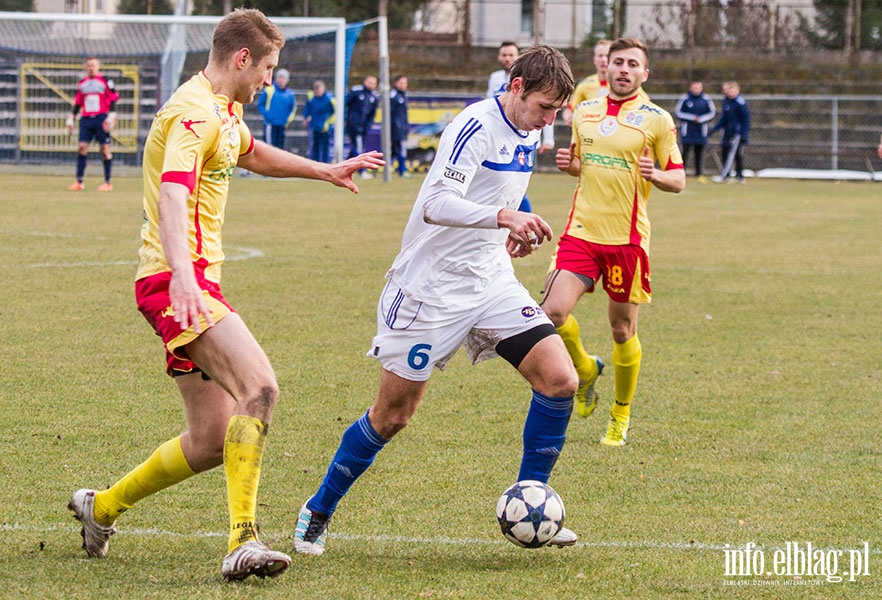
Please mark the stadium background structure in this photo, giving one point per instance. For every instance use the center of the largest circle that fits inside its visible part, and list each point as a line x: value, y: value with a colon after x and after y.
x: 815, y: 115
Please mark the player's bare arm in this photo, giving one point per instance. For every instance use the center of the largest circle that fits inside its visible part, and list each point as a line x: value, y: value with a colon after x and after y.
x: 268, y: 160
x: 673, y: 180
x: 186, y: 296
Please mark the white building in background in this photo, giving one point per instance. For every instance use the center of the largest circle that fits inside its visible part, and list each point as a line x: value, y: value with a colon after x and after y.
x: 568, y: 23
x: 86, y: 7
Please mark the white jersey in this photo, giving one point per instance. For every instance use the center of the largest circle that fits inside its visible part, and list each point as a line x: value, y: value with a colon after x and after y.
x: 482, y: 159
x: 496, y: 83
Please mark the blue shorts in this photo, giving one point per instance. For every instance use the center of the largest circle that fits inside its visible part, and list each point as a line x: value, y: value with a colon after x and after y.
x: 92, y: 128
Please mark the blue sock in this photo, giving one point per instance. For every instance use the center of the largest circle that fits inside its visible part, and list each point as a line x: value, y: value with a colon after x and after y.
x: 355, y: 454
x: 81, y: 167
x: 108, y: 167
x: 544, y: 434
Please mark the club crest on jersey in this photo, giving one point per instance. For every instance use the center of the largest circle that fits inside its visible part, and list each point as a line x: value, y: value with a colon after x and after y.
x: 524, y: 158
x: 234, y: 136
x: 454, y: 175
x: 607, y: 127
x: 633, y: 118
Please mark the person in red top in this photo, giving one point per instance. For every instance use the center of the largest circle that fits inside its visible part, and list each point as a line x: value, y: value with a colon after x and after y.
x: 96, y: 98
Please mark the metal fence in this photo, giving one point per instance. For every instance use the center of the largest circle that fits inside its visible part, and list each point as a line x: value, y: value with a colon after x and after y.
x: 798, y: 132
x: 809, y: 132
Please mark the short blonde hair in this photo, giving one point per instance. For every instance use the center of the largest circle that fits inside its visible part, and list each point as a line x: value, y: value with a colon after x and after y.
x: 245, y: 28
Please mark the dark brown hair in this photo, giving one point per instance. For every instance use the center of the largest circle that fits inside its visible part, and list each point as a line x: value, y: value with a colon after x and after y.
x: 544, y: 68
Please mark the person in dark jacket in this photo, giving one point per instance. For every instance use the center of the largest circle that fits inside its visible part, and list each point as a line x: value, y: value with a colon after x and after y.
x: 398, y: 122
x: 735, y: 123
x: 361, y: 108
x: 695, y: 110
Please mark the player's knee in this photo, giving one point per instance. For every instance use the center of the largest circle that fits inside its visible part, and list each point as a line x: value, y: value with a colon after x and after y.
x: 557, y: 314
x: 394, y: 424
x: 557, y: 380
x: 562, y: 383
x: 623, y: 331
x: 261, y: 399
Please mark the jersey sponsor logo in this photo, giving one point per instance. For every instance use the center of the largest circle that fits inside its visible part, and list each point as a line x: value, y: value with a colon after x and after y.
x: 503, y: 151
x: 633, y: 118
x: 608, y: 126
x: 454, y: 175
x: 188, y: 125
x: 528, y: 312
x: 591, y: 158
x: 651, y: 109
x: 222, y: 174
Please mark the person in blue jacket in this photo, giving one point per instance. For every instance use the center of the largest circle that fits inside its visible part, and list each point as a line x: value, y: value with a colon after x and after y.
x: 695, y: 110
x: 735, y: 123
x: 361, y: 108
x: 398, y: 122
x: 276, y: 104
x: 318, y: 114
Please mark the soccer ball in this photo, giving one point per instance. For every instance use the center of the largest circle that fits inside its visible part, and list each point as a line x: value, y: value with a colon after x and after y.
x: 530, y: 514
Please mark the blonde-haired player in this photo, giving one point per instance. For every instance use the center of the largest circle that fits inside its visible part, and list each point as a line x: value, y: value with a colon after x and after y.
x: 226, y: 381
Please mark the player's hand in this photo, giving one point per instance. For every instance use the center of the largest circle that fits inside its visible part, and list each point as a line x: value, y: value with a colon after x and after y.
x: 879, y: 150
x: 341, y: 173
x: 545, y: 148
x: 109, y: 122
x: 188, y: 302
x: 69, y: 124
x: 564, y: 160
x: 526, y: 231
x: 647, y: 165
x: 516, y: 249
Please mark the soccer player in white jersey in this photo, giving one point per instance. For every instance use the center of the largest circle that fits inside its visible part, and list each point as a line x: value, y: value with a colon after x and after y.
x: 453, y: 285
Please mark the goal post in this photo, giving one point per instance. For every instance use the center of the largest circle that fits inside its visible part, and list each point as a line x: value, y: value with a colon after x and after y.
x: 41, y: 62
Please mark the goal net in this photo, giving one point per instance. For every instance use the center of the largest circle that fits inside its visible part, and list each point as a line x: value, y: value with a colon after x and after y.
x: 147, y: 57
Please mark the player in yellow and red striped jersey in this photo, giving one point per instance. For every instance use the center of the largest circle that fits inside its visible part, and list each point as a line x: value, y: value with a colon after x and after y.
x: 225, y: 379
x: 617, y: 142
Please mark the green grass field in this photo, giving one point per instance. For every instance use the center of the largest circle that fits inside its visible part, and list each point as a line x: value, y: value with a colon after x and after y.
x: 757, y: 415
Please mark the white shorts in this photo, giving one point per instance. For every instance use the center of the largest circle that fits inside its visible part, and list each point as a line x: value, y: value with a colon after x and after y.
x: 412, y: 337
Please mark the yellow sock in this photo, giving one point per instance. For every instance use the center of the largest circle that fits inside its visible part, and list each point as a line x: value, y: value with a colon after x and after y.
x: 626, y: 366
x: 243, y: 455
x: 585, y: 365
x: 165, y: 467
